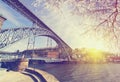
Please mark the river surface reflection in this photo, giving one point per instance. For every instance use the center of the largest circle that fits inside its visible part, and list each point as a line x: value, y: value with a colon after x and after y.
x: 83, y: 72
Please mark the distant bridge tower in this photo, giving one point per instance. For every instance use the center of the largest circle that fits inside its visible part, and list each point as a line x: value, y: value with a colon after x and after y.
x: 2, y: 19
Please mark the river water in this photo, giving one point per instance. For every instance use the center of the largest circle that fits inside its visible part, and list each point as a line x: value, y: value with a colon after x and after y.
x: 83, y: 72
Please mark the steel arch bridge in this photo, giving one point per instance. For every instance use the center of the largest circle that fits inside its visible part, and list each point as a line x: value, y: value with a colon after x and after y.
x: 10, y: 36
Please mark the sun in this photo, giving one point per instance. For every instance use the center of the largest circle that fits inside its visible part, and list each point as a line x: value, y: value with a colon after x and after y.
x: 94, y: 43
x: 95, y: 56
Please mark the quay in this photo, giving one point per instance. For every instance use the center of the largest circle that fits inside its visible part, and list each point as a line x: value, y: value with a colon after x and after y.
x: 28, y: 75
x: 19, y: 71
x: 12, y: 76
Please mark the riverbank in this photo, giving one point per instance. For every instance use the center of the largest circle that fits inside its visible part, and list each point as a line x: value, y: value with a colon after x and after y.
x: 29, y: 75
x: 12, y: 76
x: 47, y: 76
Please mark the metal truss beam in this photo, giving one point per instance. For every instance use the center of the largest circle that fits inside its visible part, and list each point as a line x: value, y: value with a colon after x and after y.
x: 10, y: 36
x: 16, y: 4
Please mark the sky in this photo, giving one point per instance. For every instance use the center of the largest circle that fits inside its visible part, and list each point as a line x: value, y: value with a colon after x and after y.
x: 15, y: 20
x: 68, y: 26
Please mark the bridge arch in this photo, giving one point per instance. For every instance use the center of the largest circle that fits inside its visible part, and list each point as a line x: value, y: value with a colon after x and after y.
x: 10, y: 36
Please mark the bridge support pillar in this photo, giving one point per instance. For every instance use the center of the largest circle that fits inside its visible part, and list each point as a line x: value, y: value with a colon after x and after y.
x: 23, y: 63
x: 18, y: 65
